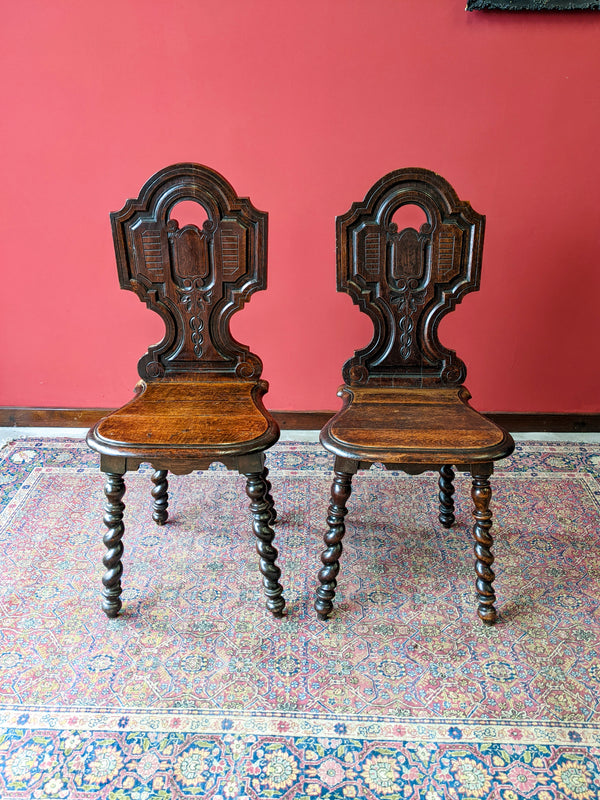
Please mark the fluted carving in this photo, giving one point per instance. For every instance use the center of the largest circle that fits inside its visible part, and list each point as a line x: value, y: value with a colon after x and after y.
x: 341, y: 490
x: 446, y: 491
x: 114, y: 490
x: 160, y: 493
x: 484, y: 558
x: 262, y: 509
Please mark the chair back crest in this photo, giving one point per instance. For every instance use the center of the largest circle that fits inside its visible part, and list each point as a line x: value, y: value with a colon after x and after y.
x: 196, y: 279
x: 407, y: 280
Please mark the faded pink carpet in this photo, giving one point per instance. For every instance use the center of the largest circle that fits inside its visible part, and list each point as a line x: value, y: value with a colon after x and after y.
x: 195, y: 691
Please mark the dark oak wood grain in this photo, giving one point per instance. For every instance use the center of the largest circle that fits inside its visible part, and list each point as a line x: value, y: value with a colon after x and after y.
x: 200, y: 397
x: 404, y: 402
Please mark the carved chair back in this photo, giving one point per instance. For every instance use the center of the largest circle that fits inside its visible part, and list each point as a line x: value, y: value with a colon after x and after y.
x: 196, y: 279
x: 407, y: 280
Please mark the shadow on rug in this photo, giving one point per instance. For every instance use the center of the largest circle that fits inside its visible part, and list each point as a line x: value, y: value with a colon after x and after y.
x: 196, y: 691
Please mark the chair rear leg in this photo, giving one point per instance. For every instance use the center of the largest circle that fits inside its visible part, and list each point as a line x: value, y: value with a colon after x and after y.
x: 341, y: 490
x: 160, y: 493
x: 484, y: 558
x: 114, y: 490
x: 446, y: 491
x: 262, y: 508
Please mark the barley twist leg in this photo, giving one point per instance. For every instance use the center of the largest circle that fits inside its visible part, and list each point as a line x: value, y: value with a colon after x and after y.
x: 113, y: 519
x: 261, y: 508
x: 269, y: 498
x: 341, y: 490
x: 446, y: 491
x: 484, y: 558
x: 160, y: 493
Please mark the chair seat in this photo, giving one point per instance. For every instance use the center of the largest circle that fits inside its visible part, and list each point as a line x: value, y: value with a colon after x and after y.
x: 191, y: 419
x: 413, y: 426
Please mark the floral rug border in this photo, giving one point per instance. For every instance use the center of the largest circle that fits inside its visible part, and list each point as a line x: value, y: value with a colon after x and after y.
x: 295, y: 724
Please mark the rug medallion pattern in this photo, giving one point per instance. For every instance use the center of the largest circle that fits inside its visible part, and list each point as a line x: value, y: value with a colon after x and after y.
x: 195, y: 691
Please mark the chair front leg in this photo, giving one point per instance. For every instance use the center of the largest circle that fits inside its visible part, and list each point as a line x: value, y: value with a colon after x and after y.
x: 341, y: 490
x: 160, y: 493
x: 114, y: 490
x: 261, y: 506
x: 484, y: 558
x: 269, y: 498
x: 446, y: 491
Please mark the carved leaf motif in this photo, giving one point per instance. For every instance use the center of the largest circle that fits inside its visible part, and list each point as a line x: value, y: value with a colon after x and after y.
x: 194, y: 295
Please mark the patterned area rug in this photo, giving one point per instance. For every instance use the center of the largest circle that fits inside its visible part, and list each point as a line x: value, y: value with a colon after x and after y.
x: 195, y: 691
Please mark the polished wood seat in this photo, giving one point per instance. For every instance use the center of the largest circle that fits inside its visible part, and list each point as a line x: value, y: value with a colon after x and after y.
x: 200, y: 397
x: 418, y: 425
x: 192, y: 418
x: 404, y: 402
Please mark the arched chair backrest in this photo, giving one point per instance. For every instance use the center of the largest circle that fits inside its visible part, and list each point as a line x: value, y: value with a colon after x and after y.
x: 196, y: 279
x: 407, y: 280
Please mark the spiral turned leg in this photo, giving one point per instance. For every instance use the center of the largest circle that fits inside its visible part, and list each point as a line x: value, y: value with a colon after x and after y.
x: 269, y: 498
x: 446, y: 492
x: 341, y: 490
x: 261, y: 508
x: 113, y: 519
x: 160, y: 493
x: 484, y: 558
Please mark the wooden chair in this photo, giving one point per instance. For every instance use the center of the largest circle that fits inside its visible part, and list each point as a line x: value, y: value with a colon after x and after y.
x: 200, y: 397
x: 404, y: 404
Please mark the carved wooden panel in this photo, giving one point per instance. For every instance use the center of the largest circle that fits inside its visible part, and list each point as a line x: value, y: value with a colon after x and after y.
x: 407, y: 280
x: 196, y: 279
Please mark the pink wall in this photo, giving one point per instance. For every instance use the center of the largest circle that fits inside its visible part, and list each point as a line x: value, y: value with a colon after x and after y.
x: 302, y: 106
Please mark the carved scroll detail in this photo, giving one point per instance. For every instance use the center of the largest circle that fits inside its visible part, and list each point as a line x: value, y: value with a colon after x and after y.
x: 195, y: 299
x: 408, y: 299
